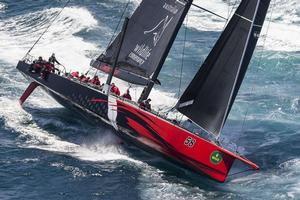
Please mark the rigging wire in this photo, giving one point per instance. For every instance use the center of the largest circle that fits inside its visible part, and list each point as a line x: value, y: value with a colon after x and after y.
x: 119, y: 23
x: 182, y: 65
x: 183, y: 55
x: 47, y: 28
x: 230, y: 11
x: 259, y: 64
x: 206, y: 10
x: 173, y: 107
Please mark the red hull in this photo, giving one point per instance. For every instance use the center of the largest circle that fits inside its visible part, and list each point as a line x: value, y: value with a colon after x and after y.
x: 181, y: 145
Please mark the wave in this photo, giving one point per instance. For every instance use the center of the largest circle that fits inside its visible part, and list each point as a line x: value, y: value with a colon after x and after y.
x: 284, y: 29
x: 282, y: 37
x: 284, y: 180
x: 287, y: 11
x: 75, y: 171
x: 31, y: 135
x: 282, y: 32
x: 101, y: 148
x: 154, y: 185
x: 17, y: 34
x: 2, y: 7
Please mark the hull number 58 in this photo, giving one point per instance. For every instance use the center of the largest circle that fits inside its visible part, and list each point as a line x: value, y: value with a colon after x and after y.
x: 190, y: 142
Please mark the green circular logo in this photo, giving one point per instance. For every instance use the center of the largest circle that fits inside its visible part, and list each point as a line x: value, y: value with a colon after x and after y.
x: 216, y: 157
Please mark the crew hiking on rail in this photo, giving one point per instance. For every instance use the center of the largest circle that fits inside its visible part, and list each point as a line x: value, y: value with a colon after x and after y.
x: 44, y: 68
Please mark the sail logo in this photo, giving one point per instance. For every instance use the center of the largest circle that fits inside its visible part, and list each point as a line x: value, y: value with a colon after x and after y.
x: 216, y: 157
x: 159, y: 29
x: 140, y: 54
x: 190, y: 142
x: 143, y: 51
x: 171, y: 9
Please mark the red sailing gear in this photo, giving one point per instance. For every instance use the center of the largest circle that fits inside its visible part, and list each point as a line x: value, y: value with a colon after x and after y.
x: 126, y: 96
x: 85, y: 79
x: 114, y: 89
x: 75, y: 74
x: 95, y: 81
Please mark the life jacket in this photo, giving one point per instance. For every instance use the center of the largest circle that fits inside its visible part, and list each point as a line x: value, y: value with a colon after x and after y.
x: 75, y: 74
x: 126, y: 96
x: 95, y: 81
x: 115, y: 90
x: 37, y: 66
x: 85, y: 79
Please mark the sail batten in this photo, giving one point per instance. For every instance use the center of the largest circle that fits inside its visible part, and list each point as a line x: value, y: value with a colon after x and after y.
x: 215, y: 86
x: 149, y: 35
x: 245, y: 18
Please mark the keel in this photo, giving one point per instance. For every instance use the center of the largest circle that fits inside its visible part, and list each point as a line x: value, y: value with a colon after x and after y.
x: 28, y: 92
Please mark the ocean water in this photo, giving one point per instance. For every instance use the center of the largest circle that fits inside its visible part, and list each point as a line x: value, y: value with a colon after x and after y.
x: 47, y: 152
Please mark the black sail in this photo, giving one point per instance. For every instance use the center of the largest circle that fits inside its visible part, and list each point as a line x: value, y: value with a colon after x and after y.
x: 150, y: 33
x: 209, y: 97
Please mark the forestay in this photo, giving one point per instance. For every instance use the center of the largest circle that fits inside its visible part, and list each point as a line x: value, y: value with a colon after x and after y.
x: 148, y: 38
x: 209, y: 97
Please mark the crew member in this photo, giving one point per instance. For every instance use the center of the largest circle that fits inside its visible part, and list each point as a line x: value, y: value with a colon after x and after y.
x: 75, y: 74
x: 114, y: 89
x: 146, y: 104
x: 46, y: 70
x: 37, y: 65
x: 85, y: 79
x: 82, y: 77
x: 95, y: 80
x: 52, y: 59
x: 127, y: 95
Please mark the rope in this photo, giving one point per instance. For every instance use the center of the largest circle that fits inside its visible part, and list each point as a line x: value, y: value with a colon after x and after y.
x: 55, y: 17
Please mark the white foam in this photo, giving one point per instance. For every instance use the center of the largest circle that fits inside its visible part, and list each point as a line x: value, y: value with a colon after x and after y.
x: 102, y: 149
x: 76, y: 172
x: 282, y: 37
x: 285, y: 181
x: 153, y: 185
x: 17, y: 36
x: 287, y: 11
x: 204, y: 21
x: 295, y: 104
x: 293, y: 164
x: 2, y: 6
x: 284, y: 29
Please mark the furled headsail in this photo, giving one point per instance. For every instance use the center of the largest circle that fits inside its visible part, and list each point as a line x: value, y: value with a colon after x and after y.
x: 209, y: 97
x: 150, y: 33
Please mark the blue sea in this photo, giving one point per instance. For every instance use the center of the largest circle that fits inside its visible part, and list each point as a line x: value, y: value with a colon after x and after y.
x: 49, y: 152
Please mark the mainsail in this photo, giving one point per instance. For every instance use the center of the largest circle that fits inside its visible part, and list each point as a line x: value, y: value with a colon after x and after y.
x: 209, y: 97
x: 150, y: 33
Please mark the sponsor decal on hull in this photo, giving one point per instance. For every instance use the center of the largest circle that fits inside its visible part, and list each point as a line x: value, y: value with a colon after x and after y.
x: 112, y: 113
x: 216, y: 157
